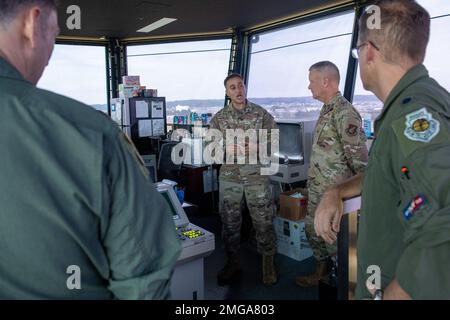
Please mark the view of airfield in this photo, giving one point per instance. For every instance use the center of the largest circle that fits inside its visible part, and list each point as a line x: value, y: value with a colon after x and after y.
x: 302, y: 108
x: 189, y: 74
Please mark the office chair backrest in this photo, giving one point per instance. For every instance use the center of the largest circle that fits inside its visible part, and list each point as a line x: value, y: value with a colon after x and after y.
x: 167, y: 169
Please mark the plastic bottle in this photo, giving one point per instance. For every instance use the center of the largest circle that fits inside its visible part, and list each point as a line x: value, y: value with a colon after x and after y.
x: 367, y: 124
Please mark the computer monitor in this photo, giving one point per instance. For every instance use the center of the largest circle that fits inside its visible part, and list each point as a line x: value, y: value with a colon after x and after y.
x: 296, y: 139
x: 150, y: 164
x: 179, y: 216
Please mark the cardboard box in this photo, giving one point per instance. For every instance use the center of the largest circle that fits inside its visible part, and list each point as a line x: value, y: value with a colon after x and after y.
x: 131, y: 81
x: 293, y: 208
x: 151, y: 93
x: 128, y: 91
x: 291, y: 239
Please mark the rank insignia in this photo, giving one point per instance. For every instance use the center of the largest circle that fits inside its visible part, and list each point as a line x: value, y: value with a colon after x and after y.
x: 420, y: 126
x: 415, y: 204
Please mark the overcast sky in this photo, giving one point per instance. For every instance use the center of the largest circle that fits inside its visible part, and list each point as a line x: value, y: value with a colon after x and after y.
x: 79, y: 71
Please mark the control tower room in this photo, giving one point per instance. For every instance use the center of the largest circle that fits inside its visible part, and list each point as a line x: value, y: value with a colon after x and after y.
x: 225, y: 150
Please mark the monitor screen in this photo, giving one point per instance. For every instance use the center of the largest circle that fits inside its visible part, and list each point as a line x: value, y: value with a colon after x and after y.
x: 179, y: 215
x: 291, y: 142
x: 150, y: 164
x: 152, y: 172
x: 169, y: 202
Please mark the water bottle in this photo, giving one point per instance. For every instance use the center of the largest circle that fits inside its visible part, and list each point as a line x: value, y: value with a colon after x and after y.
x: 367, y: 123
x: 180, y: 194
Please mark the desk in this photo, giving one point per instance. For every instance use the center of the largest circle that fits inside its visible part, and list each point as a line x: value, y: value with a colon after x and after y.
x: 201, y: 187
x: 190, y: 209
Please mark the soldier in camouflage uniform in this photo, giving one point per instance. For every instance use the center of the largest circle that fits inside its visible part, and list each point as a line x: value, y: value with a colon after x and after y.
x: 243, y: 183
x: 338, y: 153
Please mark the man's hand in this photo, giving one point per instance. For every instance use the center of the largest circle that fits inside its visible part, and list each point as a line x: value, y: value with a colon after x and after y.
x: 392, y: 292
x: 231, y: 149
x: 239, y: 150
x: 251, y: 148
x: 331, y: 207
x: 235, y: 149
x: 328, y: 215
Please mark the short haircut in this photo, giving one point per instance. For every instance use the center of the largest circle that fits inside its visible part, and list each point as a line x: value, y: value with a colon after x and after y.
x: 231, y: 76
x: 404, y: 32
x: 327, y: 67
x: 10, y: 8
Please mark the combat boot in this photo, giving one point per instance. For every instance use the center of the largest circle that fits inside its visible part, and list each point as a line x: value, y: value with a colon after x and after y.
x: 230, y: 271
x: 313, y: 279
x: 269, y: 272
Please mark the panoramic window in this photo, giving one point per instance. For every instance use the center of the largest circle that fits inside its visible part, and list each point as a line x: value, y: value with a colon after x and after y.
x: 78, y: 72
x: 280, y: 60
x: 436, y: 59
x: 188, y: 74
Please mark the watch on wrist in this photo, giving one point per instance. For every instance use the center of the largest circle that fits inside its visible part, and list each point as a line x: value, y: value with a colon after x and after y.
x: 378, y: 295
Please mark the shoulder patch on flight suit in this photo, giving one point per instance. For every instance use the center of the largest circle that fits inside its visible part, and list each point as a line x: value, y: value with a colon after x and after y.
x: 132, y: 148
x: 417, y: 129
x: 420, y: 126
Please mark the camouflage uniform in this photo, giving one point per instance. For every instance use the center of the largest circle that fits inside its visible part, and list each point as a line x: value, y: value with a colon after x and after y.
x: 243, y: 181
x: 339, y: 152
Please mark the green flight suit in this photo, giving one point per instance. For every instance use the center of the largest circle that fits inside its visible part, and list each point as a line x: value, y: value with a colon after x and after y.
x: 72, y: 193
x: 405, y: 216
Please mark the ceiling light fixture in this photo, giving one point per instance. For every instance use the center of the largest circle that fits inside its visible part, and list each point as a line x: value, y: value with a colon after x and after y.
x: 158, y: 24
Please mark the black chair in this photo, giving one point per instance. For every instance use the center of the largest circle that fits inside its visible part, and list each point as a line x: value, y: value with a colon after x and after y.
x: 167, y: 169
